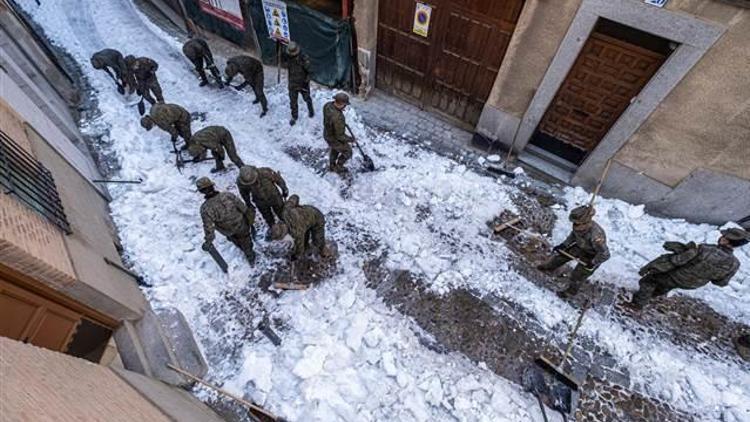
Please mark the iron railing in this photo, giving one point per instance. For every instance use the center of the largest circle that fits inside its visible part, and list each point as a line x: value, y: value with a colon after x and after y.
x: 27, y: 179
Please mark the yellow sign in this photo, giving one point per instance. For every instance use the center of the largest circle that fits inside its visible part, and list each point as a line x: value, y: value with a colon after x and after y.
x: 422, y: 16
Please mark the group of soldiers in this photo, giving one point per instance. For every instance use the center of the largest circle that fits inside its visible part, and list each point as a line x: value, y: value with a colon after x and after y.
x: 261, y: 188
x: 687, y: 265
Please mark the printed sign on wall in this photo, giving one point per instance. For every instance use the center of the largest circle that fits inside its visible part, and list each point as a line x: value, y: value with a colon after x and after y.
x: 422, y: 19
x: 657, y: 3
x: 277, y: 20
x: 226, y: 10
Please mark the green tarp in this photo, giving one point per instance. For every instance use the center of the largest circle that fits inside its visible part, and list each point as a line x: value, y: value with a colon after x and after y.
x: 325, y: 40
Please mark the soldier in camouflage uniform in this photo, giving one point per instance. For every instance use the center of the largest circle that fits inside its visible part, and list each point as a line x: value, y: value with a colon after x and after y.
x: 252, y: 71
x: 587, y: 242
x: 263, y: 185
x: 144, y: 70
x: 170, y: 118
x: 299, y: 80
x: 690, y: 266
x: 334, y: 133
x: 226, y: 213
x: 306, y: 224
x: 217, y: 139
x: 197, y: 51
x: 110, y: 60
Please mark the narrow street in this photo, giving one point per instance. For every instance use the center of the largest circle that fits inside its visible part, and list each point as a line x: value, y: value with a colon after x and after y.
x: 425, y: 316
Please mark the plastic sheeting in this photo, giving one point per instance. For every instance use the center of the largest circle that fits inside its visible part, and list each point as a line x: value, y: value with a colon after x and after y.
x: 327, y: 41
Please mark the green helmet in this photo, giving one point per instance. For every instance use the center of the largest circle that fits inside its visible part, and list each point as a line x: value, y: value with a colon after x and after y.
x: 292, y: 48
x: 248, y: 175
x: 582, y: 214
x: 204, y: 183
x: 341, y: 98
x: 147, y: 122
x: 736, y: 236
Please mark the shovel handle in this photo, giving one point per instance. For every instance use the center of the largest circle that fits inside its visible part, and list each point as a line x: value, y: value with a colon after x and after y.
x: 574, y: 333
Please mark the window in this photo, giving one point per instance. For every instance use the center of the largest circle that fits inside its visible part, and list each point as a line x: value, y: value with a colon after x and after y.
x: 26, y: 178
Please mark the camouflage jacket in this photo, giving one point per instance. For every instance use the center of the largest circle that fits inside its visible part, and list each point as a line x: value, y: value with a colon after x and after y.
x: 299, y: 71
x: 112, y: 59
x: 247, y: 66
x: 167, y: 115
x: 212, y: 137
x: 299, y: 219
x: 224, y: 212
x: 694, y: 266
x: 197, y: 48
x: 334, y: 125
x: 265, y: 189
x: 144, y: 69
x: 591, y: 245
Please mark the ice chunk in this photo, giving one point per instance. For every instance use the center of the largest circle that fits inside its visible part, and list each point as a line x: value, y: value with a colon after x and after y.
x: 389, y: 364
x: 312, y: 362
x: 356, y: 331
x: 494, y: 158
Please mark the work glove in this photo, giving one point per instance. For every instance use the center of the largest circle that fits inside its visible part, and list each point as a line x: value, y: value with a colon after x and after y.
x: 644, y: 271
x: 206, y: 246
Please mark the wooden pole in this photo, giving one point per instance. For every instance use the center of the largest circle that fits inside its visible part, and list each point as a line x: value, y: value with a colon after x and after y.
x: 222, y: 391
x: 601, y: 181
x: 278, y: 61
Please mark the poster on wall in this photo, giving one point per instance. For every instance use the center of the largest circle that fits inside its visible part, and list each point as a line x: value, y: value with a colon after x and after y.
x: 657, y: 3
x: 226, y: 10
x: 277, y: 20
x: 422, y: 16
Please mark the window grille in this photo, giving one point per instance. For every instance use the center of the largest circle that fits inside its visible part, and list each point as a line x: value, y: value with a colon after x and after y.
x: 27, y: 179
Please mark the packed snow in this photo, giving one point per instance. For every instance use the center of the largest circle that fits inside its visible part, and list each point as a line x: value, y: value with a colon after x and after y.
x: 345, y: 354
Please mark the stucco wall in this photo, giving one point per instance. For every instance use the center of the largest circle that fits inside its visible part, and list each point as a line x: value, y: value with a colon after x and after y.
x: 540, y: 29
x: 365, y: 15
x: 705, y: 121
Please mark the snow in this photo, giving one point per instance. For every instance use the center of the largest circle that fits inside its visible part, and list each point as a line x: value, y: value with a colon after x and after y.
x: 345, y: 354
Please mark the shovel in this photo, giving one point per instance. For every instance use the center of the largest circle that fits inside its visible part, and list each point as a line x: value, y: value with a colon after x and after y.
x: 558, y: 371
x: 366, y: 160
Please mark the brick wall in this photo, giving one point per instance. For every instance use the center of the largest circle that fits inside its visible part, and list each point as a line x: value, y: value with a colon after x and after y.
x: 40, y: 385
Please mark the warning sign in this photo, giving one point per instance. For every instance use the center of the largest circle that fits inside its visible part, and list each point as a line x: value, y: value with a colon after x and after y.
x: 422, y: 16
x: 277, y: 20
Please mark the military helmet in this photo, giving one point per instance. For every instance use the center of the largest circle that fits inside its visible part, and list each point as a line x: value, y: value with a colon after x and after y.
x: 582, y: 214
x: 293, y: 200
x: 278, y: 231
x: 231, y: 69
x: 204, y: 183
x: 96, y: 62
x: 195, y: 149
x: 736, y: 236
x: 147, y: 122
x: 248, y: 175
x: 292, y: 48
x: 341, y: 98
x: 130, y: 59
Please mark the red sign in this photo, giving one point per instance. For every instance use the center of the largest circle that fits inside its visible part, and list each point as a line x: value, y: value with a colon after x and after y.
x: 227, y: 10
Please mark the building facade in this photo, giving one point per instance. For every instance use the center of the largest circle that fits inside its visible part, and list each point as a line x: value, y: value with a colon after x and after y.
x: 658, y: 87
x: 63, y: 285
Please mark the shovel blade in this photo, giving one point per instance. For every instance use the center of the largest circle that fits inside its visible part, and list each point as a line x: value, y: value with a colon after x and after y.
x: 141, y: 108
x: 557, y: 373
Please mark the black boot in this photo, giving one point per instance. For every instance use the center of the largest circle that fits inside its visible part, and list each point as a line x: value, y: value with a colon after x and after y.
x: 292, y: 121
x: 219, y: 167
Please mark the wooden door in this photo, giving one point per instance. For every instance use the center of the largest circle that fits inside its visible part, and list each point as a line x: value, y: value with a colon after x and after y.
x: 30, y: 318
x: 608, y: 74
x: 451, y: 71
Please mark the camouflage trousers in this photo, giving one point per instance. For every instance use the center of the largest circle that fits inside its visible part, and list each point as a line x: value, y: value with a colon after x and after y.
x: 201, y: 63
x: 270, y: 210
x: 316, y: 236
x: 231, y: 151
x: 651, y: 286
x: 146, y: 87
x: 243, y: 239
x: 580, y: 272
x: 339, y: 154
x: 184, y: 130
x: 294, y: 93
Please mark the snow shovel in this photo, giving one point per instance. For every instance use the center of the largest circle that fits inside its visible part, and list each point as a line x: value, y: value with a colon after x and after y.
x: 366, y: 160
x: 293, y: 283
x: 504, y: 169
x: 558, y: 371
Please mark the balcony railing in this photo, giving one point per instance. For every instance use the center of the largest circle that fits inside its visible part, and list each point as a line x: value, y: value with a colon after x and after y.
x: 27, y: 179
